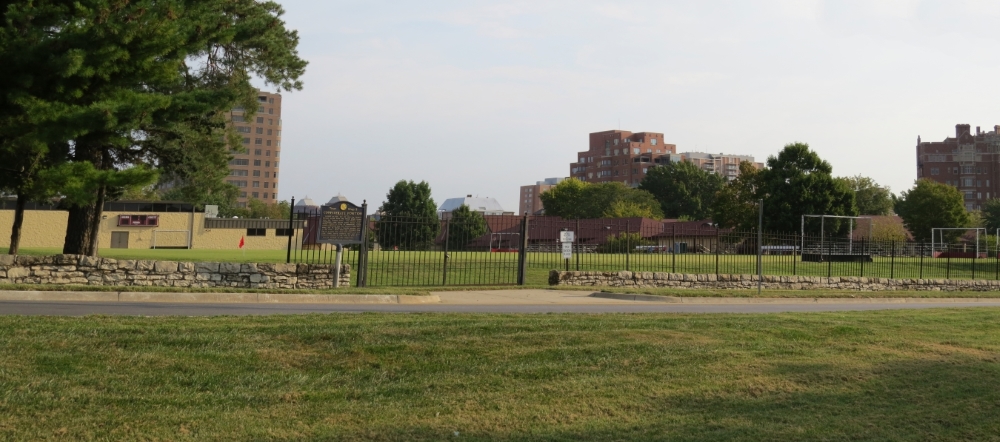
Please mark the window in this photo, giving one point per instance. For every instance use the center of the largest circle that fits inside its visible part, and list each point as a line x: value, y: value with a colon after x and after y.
x: 256, y: 151
x: 275, y: 165
x: 935, y: 171
x: 276, y: 174
x: 260, y: 109
x: 269, y: 143
x: 237, y: 183
x: 270, y: 100
x: 138, y: 220
x: 616, y: 142
x: 243, y: 129
x: 277, y: 143
x: 256, y: 232
x: 256, y: 184
x: 979, y: 183
x: 279, y: 132
x: 243, y: 194
x: 258, y: 141
x: 645, y: 169
x: 265, y: 184
x: 239, y: 162
x: 270, y: 121
x: 979, y: 195
x: 238, y: 119
x: 936, y: 158
x: 260, y: 130
x: 262, y: 99
x: 256, y: 195
x: 649, y: 150
x: 267, y: 174
x: 256, y: 163
x: 268, y: 153
x: 260, y: 120
x: 616, y: 150
x: 270, y: 110
x: 967, y: 182
x: 237, y: 172
x: 635, y: 151
x: 653, y: 141
x: 246, y: 141
x: 267, y: 164
x: 256, y: 173
x: 967, y: 169
x: 277, y: 153
x: 282, y: 232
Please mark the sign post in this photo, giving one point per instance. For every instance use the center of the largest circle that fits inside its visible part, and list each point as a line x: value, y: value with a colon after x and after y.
x: 566, y: 238
x: 340, y: 223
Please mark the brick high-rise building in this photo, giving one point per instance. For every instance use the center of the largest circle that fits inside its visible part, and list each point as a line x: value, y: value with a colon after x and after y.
x: 621, y: 156
x: 969, y: 162
x: 255, y: 171
x: 626, y: 157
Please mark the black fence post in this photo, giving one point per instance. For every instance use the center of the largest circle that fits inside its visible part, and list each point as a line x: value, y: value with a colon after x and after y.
x: 892, y: 260
x: 717, y: 247
x: 577, y: 244
x: 522, y: 256
x: 975, y: 255
x: 628, y: 244
x: 921, y: 259
x: 444, y: 270
x: 673, y: 248
x: 829, y: 262
x: 362, y: 269
x: 291, y: 227
x: 861, y: 257
x: 795, y: 255
x: 947, y: 271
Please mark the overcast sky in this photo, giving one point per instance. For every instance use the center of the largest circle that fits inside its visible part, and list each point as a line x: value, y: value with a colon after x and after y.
x: 479, y: 97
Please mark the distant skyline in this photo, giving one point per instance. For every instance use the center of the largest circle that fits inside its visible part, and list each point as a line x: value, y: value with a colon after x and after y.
x: 480, y: 98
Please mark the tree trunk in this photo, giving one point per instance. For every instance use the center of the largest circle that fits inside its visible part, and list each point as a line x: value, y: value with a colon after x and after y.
x: 78, y: 230
x: 95, y: 226
x: 15, y: 230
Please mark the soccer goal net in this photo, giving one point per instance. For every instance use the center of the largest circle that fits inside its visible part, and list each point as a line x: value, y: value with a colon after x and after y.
x: 959, y: 242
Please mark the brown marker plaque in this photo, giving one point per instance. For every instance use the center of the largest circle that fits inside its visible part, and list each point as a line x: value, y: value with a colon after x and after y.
x: 341, y: 223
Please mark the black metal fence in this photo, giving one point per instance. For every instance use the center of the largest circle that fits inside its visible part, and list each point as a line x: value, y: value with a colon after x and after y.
x: 508, y: 250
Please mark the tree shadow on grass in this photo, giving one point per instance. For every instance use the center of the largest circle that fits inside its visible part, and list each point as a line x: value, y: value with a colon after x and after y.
x: 906, y: 400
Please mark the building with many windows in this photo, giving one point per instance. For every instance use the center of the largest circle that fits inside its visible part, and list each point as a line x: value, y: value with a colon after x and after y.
x: 254, y: 168
x: 969, y: 162
x: 626, y: 157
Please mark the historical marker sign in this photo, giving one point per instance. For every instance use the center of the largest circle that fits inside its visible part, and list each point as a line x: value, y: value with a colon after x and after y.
x: 341, y: 223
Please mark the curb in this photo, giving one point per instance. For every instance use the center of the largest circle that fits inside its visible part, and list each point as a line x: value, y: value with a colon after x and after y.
x: 236, y: 298
x: 705, y: 300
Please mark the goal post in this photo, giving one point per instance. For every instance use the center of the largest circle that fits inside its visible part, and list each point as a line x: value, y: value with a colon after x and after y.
x: 822, y: 229
x: 941, y: 230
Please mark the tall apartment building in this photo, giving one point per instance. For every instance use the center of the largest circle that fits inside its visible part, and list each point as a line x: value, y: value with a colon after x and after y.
x: 622, y: 156
x: 626, y: 157
x: 721, y: 164
x: 530, y: 201
x: 255, y: 170
x: 969, y: 162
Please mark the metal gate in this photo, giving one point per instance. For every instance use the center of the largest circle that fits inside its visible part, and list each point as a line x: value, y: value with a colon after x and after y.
x: 460, y: 248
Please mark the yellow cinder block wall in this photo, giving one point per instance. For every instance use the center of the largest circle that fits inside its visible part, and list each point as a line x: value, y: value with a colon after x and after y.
x: 47, y: 229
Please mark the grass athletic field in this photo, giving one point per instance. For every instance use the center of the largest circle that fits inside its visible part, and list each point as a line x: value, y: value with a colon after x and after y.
x: 881, y: 375
x: 406, y: 268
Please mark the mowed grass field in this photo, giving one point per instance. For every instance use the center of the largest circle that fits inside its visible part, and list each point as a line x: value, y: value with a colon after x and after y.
x: 409, y: 268
x: 880, y: 375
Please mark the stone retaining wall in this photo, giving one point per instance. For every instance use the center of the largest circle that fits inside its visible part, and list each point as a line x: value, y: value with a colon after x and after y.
x: 88, y: 270
x: 746, y: 282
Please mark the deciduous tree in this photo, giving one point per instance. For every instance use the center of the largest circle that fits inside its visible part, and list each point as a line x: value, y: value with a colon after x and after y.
x: 465, y: 226
x: 575, y: 199
x: 870, y: 197
x: 683, y: 189
x: 930, y: 204
x: 408, y: 217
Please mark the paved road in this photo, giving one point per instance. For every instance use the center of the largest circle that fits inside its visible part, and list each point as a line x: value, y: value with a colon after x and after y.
x: 208, y: 309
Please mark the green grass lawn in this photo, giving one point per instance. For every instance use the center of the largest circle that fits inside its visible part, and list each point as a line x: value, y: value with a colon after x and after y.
x: 887, y: 375
x: 393, y: 268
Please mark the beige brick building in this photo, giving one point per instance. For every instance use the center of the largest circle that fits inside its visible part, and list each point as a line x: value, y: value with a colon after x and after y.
x: 255, y: 170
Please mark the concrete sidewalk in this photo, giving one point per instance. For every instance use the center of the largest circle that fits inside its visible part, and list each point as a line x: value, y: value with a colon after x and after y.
x: 527, y: 297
